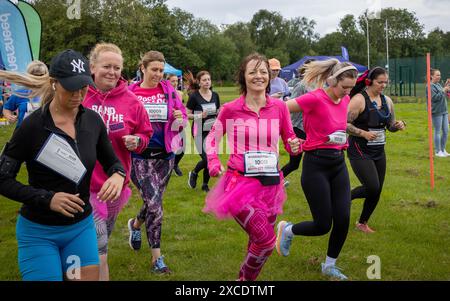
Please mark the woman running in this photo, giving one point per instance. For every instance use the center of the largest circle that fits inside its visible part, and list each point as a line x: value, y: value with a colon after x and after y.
x: 370, y: 113
x: 325, y: 180
x: 251, y: 190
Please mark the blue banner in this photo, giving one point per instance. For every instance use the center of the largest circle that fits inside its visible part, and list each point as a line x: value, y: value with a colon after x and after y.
x: 345, y: 53
x: 14, y: 44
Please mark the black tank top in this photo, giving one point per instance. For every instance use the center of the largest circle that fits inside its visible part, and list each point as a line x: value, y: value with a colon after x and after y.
x: 371, y: 118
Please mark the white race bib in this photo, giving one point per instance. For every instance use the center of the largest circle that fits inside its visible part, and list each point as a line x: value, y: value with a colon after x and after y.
x: 337, y: 138
x: 207, y: 125
x: 259, y: 163
x: 58, y: 155
x: 380, y: 139
x: 157, y: 112
x: 209, y: 108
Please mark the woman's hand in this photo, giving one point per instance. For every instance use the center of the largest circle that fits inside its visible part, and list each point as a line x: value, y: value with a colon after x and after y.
x: 67, y: 204
x: 177, y: 114
x: 216, y: 171
x: 10, y: 116
x: 369, y: 136
x: 131, y: 142
x: 400, y: 125
x: 112, y: 188
x: 294, y: 144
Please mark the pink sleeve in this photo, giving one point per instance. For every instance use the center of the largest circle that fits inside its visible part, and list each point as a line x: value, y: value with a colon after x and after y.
x: 213, y: 139
x: 178, y: 105
x: 306, y: 101
x: 286, y: 128
x: 143, y: 127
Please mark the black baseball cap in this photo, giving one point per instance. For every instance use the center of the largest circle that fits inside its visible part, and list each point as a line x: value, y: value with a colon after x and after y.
x: 71, y: 69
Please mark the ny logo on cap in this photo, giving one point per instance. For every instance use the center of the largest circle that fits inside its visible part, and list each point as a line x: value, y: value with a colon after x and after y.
x: 78, y: 66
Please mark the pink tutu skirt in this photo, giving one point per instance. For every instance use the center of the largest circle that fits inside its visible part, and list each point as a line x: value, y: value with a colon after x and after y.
x: 233, y: 192
x: 104, y: 210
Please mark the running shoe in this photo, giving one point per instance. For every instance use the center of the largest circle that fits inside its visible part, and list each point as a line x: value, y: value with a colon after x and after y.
x: 205, y: 187
x: 177, y: 171
x: 333, y: 272
x: 192, y: 179
x: 135, y: 236
x: 364, y: 228
x: 284, y: 240
x: 160, y: 267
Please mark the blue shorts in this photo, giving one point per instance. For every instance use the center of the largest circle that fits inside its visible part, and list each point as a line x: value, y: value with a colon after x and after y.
x: 47, y: 252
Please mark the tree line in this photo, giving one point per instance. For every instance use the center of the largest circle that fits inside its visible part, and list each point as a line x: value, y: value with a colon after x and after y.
x: 191, y: 43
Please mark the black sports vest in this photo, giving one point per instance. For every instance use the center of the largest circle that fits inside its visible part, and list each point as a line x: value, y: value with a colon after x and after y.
x: 370, y: 118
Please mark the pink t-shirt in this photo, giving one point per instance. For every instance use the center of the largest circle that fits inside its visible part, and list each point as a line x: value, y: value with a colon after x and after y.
x: 322, y: 117
x: 149, y: 96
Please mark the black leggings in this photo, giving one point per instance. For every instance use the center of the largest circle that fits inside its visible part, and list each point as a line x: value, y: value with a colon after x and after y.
x: 180, y: 155
x: 203, y: 163
x: 178, y: 158
x: 294, y: 160
x: 326, y: 184
x: 371, y: 175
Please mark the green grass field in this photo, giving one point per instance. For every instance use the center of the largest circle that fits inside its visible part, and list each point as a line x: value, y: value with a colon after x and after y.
x: 412, y: 223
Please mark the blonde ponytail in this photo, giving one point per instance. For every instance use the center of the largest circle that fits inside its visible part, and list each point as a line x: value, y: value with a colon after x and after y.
x: 39, y: 85
x: 317, y: 72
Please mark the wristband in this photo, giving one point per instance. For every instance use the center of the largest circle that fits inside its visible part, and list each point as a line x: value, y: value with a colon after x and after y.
x: 121, y: 173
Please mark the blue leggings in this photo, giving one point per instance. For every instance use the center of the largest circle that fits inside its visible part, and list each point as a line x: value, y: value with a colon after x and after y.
x: 47, y: 252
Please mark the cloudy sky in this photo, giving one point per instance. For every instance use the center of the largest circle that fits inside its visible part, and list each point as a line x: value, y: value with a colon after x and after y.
x: 326, y: 13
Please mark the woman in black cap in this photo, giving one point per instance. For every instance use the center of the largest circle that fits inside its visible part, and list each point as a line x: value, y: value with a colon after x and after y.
x: 60, y: 143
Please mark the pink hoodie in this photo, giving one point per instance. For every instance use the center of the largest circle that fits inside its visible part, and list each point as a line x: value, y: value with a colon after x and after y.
x: 246, y: 131
x: 123, y: 114
x: 172, y: 128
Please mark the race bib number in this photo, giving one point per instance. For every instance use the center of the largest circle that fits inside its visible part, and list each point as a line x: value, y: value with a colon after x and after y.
x: 58, y: 155
x: 207, y: 125
x: 337, y: 138
x: 380, y: 139
x: 157, y: 112
x: 209, y: 108
x: 260, y: 164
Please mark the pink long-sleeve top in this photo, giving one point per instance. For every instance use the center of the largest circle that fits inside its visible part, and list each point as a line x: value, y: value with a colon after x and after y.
x: 248, y: 131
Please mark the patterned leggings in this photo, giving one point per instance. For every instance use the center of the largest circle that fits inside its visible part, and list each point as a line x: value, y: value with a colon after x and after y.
x: 105, y: 216
x: 151, y: 177
x: 260, y: 229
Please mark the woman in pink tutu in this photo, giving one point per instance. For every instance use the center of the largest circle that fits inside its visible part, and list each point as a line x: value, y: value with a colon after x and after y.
x: 251, y: 190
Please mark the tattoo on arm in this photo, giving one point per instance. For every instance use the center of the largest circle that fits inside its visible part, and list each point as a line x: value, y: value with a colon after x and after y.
x: 351, y: 129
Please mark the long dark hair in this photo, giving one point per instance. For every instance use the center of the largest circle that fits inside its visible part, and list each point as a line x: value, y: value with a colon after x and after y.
x: 366, y: 79
x: 193, y: 84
